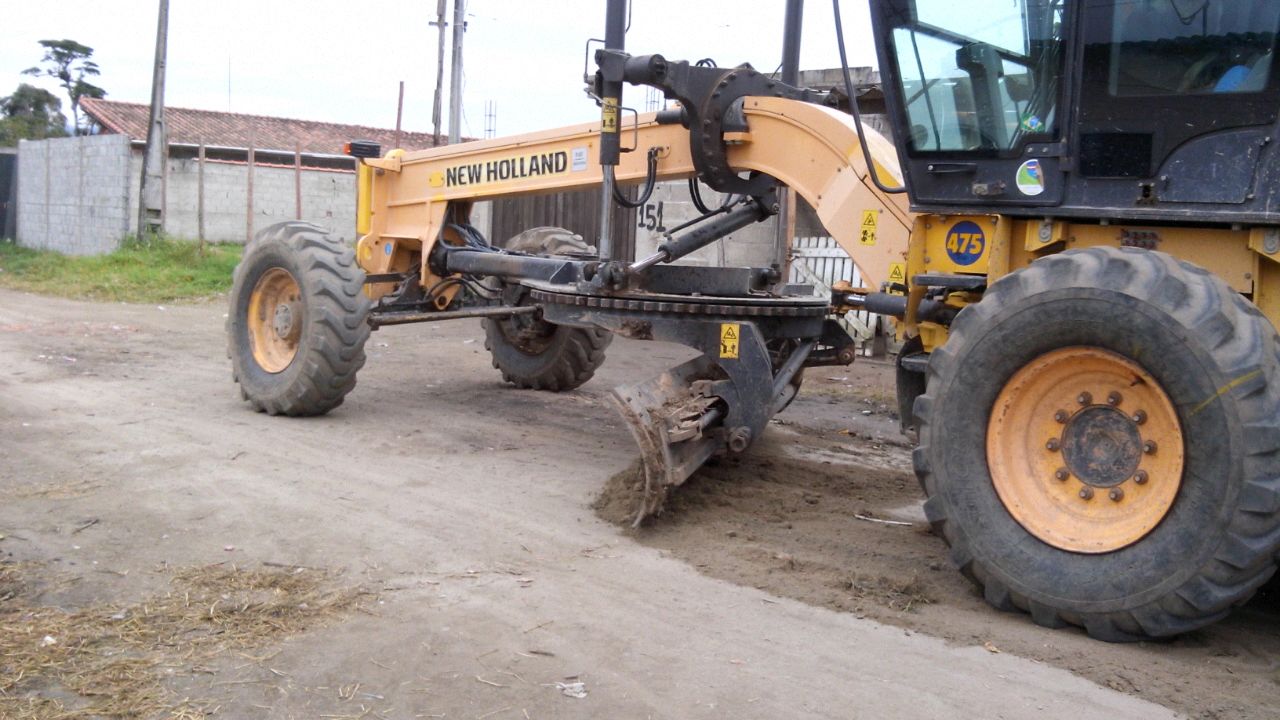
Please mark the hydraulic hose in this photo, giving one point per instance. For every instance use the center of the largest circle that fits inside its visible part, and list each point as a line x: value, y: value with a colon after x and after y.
x: 650, y: 180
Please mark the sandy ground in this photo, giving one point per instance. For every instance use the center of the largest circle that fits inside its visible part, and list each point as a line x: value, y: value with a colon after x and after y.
x: 466, y: 507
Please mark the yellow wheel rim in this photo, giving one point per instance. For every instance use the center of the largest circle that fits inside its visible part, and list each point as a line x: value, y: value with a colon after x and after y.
x: 1085, y: 450
x: 275, y: 320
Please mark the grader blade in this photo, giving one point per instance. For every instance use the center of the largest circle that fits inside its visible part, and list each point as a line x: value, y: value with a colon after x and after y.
x: 752, y: 348
x: 674, y: 421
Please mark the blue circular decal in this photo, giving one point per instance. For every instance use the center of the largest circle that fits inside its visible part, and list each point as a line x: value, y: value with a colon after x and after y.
x: 965, y: 243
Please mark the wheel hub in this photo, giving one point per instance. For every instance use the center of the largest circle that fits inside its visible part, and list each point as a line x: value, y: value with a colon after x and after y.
x: 274, y: 319
x: 284, y: 322
x: 1101, y: 446
x: 1085, y: 450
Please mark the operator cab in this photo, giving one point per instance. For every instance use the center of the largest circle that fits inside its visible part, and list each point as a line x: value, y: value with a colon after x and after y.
x: 1141, y: 109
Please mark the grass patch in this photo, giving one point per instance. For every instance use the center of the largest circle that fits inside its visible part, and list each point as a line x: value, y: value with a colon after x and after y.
x: 141, y: 271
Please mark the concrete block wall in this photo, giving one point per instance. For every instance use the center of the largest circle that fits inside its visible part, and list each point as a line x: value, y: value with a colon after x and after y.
x: 73, y: 193
x: 752, y: 246
x: 328, y: 198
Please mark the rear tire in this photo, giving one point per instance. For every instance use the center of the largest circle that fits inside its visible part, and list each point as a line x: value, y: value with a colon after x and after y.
x: 531, y: 352
x: 1208, y: 350
x: 297, y: 326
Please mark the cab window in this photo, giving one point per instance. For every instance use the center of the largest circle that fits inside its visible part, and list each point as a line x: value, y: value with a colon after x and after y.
x: 1191, y: 47
x: 979, y: 81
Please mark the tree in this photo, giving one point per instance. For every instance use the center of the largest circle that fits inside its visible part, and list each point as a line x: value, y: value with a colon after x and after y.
x: 67, y: 61
x: 30, y: 113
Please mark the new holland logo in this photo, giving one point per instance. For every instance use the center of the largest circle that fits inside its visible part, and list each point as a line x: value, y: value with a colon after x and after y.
x: 516, y: 168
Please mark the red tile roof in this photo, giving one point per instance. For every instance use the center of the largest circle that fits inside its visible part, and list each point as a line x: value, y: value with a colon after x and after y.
x: 237, y: 130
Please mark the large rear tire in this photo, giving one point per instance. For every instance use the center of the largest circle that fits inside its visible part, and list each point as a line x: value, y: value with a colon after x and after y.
x: 1052, y: 444
x: 533, y: 353
x: 297, y: 326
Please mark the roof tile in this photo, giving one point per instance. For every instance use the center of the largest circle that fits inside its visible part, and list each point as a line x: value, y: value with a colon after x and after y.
x: 239, y: 130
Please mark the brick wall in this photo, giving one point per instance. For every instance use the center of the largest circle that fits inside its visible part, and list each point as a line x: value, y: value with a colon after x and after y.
x: 73, y: 193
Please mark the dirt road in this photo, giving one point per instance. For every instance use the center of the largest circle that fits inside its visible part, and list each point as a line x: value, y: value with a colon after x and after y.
x: 466, y: 506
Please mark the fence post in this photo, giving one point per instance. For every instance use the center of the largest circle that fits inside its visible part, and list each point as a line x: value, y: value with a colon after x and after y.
x: 248, y: 220
x: 200, y: 196
x: 297, y: 179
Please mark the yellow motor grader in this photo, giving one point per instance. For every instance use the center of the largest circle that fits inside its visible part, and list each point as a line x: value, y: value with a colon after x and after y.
x: 303, y: 305
x: 1089, y: 263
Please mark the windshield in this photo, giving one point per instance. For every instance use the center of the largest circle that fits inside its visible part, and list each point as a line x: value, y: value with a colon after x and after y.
x: 979, y: 80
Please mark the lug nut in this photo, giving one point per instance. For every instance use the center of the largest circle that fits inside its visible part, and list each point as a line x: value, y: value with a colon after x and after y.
x: 1140, y: 477
x: 1085, y: 399
x: 1149, y: 447
x: 1140, y: 417
x: 1086, y: 493
x: 1052, y: 445
x: 1116, y: 494
x: 1062, y: 474
x: 1061, y: 416
x: 1114, y: 398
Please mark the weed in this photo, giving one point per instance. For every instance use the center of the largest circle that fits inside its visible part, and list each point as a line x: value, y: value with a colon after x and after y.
x: 152, y: 269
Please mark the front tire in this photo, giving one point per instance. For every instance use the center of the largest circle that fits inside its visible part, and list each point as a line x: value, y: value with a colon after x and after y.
x: 1052, y: 444
x: 297, y: 326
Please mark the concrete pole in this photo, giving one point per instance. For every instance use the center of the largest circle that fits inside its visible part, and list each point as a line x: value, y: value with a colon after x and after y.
x: 151, y: 191
x: 399, y: 113
x: 455, y: 71
x: 441, y: 6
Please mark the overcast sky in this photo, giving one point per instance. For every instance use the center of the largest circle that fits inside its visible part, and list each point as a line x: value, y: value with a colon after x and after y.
x: 342, y: 61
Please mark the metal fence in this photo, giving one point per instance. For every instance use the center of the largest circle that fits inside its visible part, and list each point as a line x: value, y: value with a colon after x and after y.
x: 8, y: 193
x: 821, y: 262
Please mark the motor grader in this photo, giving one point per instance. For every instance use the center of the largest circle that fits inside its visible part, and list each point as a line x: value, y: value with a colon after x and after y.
x: 1086, y: 282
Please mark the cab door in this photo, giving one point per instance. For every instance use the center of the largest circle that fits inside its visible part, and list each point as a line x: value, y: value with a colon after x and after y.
x: 976, y: 98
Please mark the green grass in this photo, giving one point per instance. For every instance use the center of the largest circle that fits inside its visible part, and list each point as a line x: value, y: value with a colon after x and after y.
x: 141, y: 271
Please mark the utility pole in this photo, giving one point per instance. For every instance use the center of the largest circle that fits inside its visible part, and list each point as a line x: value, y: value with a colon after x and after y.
x: 399, y: 113
x: 151, y: 191
x: 435, y: 112
x: 455, y: 72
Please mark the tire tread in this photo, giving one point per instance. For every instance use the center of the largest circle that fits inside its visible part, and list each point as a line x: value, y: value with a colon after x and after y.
x: 333, y: 351
x: 1239, y: 339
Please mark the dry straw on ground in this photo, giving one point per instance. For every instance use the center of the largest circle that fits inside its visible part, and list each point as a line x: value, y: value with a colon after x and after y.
x: 110, y: 661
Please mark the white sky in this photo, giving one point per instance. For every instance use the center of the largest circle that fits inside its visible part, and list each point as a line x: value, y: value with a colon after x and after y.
x: 342, y: 61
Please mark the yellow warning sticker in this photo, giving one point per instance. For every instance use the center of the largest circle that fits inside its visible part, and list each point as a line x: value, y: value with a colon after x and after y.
x: 609, y: 115
x: 870, y: 219
x: 436, y: 179
x: 729, y: 334
x: 898, y: 273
